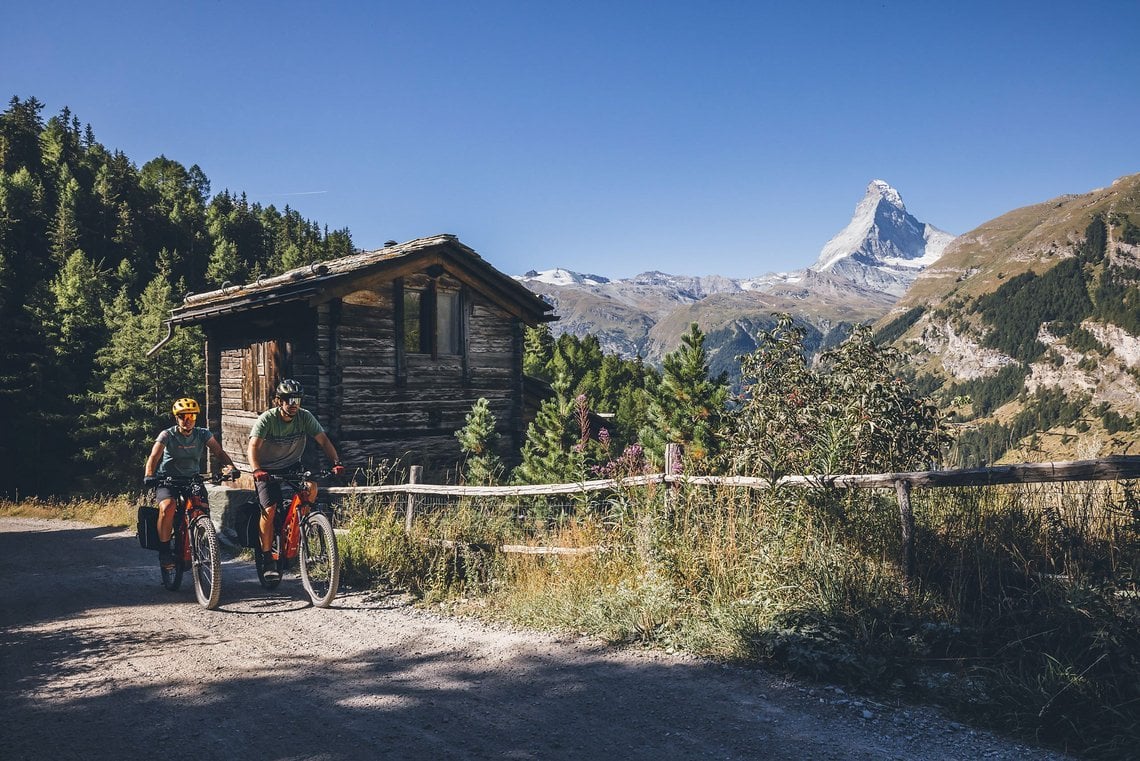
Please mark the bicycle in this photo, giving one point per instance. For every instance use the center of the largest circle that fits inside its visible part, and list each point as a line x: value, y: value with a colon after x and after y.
x: 302, y: 530
x: 194, y: 542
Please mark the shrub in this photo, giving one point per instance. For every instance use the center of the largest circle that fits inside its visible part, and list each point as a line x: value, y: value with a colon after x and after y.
x: 849, y: 414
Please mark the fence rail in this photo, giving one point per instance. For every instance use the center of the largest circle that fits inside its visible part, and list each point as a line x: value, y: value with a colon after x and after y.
x: 1123, y: 467
x: 1116, y: 468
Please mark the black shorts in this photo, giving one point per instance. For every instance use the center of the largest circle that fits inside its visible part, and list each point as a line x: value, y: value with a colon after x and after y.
x: 195, y: 489
x: 163, y: 493
x: 270, y: 493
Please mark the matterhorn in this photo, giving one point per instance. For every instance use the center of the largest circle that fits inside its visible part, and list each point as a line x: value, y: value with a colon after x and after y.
x: 883, y: 246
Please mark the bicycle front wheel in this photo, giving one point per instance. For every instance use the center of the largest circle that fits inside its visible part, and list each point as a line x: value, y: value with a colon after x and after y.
x: 207, y: 562
x: 320, y: 559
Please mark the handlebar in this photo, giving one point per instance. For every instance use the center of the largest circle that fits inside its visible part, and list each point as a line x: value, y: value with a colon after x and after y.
x: 214, y: 478
x: 306, y: 475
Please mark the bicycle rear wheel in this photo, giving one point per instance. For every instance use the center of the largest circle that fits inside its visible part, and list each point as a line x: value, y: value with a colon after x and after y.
x: 320, y: 559
x: 207, y: 562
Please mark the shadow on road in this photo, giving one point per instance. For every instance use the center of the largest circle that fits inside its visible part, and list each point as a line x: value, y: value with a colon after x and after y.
x: 95, y: 663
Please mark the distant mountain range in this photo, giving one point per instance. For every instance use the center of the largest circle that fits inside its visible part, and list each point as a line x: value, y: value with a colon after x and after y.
x: 859, y: 275
x: 1027, y: 328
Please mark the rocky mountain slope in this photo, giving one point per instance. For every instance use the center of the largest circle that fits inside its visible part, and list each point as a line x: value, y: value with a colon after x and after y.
x: 859, y: 275
x: 1032, y: 323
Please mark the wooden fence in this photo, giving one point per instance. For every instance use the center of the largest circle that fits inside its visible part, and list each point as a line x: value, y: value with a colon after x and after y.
x: 1123, y: 467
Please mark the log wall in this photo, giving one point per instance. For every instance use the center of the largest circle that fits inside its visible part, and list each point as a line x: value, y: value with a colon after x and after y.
x: 414, y: 418
x: 344, y: 352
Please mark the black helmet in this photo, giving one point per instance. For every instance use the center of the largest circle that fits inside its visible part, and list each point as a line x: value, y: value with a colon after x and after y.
x: 287, y: 388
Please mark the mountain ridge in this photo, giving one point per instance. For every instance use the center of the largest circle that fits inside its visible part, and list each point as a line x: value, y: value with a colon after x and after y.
x: 1028, y: 328
x: 870, y: 261
x: 1032, y: 360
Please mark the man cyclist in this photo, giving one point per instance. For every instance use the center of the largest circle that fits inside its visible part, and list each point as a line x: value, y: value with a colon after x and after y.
x: 276, y: 443
x: 178, y: 451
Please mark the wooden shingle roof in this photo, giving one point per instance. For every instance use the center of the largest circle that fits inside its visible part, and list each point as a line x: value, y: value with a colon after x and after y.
x: 325, y: 280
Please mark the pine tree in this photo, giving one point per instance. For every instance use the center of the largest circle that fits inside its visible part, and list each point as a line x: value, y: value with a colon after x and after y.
x: 224, y: 265
x: 25, y: 358
x: 538, y: 349
x: 20, y: 129
x: 547, y: 456
x: 65, y: 230
x: 686, y: 407
x: 477, y: 439
x: 130, y: 400
x: 75, y: 322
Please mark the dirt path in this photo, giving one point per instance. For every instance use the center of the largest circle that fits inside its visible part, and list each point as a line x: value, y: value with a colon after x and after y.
x: 98, y: 661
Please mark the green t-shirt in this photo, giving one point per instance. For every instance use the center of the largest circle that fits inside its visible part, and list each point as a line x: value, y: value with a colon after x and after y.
x: 283, y: 443
x: 182, y: 455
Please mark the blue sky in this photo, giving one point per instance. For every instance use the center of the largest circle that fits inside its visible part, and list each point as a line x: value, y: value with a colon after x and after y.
x: 696, y: 138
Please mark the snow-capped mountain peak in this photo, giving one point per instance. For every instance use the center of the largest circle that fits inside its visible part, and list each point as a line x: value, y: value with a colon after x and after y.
x: 883, y: 244
x: 559, y: 276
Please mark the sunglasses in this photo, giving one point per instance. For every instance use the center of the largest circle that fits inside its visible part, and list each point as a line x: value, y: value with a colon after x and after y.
x: 293, y: 401
x: 187, y: 415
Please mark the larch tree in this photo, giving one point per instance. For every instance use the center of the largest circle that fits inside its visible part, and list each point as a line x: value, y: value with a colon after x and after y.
x: 130, y: 399
x: 547, y: 454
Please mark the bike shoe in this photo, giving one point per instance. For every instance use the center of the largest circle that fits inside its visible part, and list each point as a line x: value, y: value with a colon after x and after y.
x: 166, y: 560
x: 269, y: 566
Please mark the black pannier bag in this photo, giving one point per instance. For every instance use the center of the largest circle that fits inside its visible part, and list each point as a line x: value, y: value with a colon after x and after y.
x: 247, y: 524
x: 148, y: 527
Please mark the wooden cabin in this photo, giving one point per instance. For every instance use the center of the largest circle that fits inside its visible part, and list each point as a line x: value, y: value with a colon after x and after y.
x: 393, y: 347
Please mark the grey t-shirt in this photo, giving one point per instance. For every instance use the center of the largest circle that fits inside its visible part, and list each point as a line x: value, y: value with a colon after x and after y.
x: 283, y: 443
x: 182, y: 455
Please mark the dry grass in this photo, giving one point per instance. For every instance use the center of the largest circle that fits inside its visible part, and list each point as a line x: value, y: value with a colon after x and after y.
x: 1022, y: 614
x: 110, y: 510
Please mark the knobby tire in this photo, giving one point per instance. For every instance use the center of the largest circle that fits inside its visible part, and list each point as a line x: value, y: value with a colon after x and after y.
x: 320, y: 559
x: 207, y: 562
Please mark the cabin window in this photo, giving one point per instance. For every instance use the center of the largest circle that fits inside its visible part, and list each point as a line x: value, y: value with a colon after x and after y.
x: 447, y: 323
x: 432, y: 322
x: 415, y: 337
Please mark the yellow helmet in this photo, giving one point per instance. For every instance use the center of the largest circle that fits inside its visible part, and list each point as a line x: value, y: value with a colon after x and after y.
x: 185, y: 404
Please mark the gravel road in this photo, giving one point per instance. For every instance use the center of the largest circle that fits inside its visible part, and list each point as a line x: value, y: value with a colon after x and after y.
x: 98, y: 661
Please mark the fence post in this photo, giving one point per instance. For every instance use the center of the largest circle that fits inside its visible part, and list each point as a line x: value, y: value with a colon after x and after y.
x: 906, y: 517
x: 673, y: 454
x: 415, y: 476
x: 672, y: 468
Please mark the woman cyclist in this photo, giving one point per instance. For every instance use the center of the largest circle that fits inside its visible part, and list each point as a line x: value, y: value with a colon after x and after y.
x: 178, y: 451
